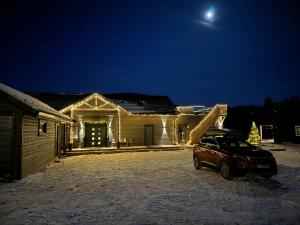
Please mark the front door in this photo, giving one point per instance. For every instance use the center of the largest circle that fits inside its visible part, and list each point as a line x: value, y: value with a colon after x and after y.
x: 149, y: 135
x: 95, y: 135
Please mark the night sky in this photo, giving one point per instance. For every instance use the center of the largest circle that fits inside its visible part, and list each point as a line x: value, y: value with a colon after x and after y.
x: 249, y: 51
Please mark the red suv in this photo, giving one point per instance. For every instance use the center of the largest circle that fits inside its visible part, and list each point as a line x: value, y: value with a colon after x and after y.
x: 228, y: 152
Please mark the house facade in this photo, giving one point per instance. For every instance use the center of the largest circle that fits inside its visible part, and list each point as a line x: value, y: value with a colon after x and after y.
x: 131, y: 119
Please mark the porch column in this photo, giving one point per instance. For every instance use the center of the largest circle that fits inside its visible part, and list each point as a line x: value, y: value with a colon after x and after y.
x: 164, y: 140
x: 72, y: 128
x: 81, y: 131
x: 119, y: 125
x: 110, y: 133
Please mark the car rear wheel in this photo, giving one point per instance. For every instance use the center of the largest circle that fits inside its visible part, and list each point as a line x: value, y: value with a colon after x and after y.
x: 197, y: 162
x: 226, y: 170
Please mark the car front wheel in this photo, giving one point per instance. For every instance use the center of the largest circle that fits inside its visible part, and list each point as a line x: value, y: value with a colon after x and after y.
x: 226, y: 170
x: 197, y: 162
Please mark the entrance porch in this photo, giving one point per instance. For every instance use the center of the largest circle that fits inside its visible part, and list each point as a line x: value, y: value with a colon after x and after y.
x: 95, y: 129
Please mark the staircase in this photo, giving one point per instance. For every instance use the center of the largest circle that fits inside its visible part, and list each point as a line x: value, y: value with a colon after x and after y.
x: 218, y: 113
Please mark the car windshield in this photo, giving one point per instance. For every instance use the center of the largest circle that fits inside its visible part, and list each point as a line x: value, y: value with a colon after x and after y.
x: 234, y: 144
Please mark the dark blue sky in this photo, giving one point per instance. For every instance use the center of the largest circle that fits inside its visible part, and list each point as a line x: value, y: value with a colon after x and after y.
x: 154, y: 47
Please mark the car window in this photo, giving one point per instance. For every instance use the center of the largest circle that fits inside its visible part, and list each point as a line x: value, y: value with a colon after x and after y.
x: 244, y: 145
x: 203, y: 142
x: 235, y: 145
x: 209, y: 143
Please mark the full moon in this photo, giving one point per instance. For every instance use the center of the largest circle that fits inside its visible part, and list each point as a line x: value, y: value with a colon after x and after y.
x: 210, y: 14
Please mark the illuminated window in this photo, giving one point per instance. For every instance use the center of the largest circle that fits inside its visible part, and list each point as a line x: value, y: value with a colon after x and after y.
x: 99, y: 142
x: 93, y: 128
x: 99, y: 138
x: 42, y: 127
x: 93, y: 143
x: 93, y: 133
x: 93, y: 138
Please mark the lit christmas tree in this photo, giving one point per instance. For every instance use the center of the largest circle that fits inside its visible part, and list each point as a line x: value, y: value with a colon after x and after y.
x: 254, y: 137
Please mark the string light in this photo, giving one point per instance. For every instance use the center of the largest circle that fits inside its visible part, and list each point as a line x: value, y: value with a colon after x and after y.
x: 218, y: 110
x: 87, y: 99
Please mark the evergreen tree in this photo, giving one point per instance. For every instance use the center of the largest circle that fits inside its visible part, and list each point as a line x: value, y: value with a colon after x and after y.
x: 254, y: 137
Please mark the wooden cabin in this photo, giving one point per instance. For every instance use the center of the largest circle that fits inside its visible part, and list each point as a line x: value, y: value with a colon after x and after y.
x: 31, y: 133
x: 130, y: 119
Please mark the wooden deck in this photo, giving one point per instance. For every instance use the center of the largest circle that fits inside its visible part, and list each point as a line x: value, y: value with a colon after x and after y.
x: 111, y: 150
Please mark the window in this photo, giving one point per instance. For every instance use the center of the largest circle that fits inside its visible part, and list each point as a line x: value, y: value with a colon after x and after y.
x: 203, y: 142
x: 297, y: 130
x: 209, y: 143
x: 42, y: 127
x: 234, y: 145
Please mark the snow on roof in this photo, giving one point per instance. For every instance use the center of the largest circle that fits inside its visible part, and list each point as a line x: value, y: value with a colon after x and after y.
x: 133, y: 107
x: 30, y: 102
x: 143, y: 104
x: 59, y: 101
x: 194, y: 109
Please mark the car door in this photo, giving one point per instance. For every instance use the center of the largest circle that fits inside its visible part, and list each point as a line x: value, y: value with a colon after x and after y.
x: 216, y: 153
x: 213, y: 151
x: 203, y: 150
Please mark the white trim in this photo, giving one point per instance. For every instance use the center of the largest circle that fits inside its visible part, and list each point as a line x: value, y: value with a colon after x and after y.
x: 87, y: 99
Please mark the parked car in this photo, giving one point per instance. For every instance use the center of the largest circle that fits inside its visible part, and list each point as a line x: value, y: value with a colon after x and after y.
x: 227, y: 151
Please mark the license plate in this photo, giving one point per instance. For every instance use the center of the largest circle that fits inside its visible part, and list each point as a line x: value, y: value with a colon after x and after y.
x: 263, y: 166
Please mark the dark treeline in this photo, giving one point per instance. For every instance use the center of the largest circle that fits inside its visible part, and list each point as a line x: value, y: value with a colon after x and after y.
x: 284, y: 116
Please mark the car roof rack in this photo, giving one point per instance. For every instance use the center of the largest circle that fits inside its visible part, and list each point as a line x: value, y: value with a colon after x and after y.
x: 222, y: 132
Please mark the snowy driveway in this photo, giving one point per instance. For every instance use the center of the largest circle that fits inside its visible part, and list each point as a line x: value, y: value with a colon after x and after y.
x: 151, y: 188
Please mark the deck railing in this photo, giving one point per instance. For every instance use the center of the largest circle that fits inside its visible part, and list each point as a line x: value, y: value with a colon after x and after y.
x: 208, y: 121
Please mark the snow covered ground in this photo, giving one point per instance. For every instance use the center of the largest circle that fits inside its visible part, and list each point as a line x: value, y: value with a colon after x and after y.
x: 151, y: 188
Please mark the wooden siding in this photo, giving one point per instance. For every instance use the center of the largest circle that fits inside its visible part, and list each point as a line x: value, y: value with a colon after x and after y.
x: 133, y: 127
x: 37, y: 150
x: 6, y: 145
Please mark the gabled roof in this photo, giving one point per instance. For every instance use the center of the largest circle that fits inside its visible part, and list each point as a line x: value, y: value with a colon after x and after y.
x: 28, y: 102
x: 131, y: 102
